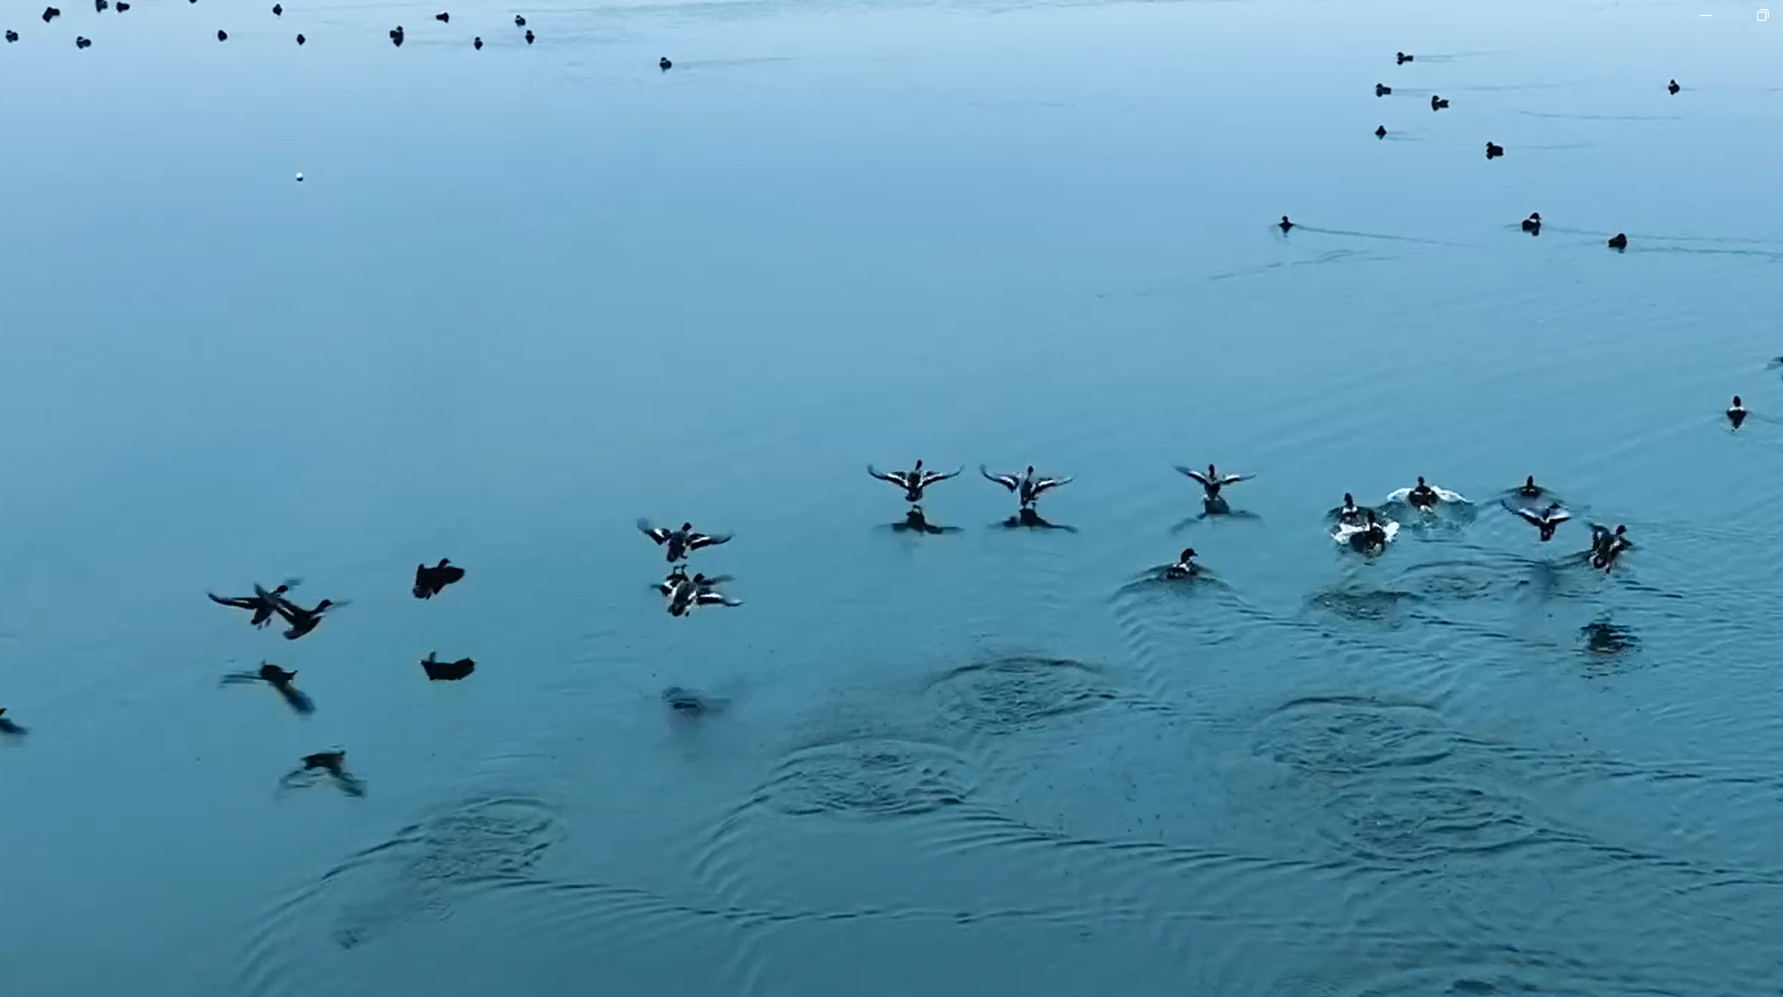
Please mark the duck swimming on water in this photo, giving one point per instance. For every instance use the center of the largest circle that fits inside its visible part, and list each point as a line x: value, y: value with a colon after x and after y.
x: 429, y: 581
x: 12, y: 36
x: 1027, y: 486
x: 396, y: 36
x: 681, y: 542
x: 1529, y: 489
x: 664, y: 64
x: 1400, y: 58
x: 82, y: 42
x: 1606, y: 546
x: 1673, y: 87
x: 1381, y: 132
x: 1284, y: 224
x: 446, y: 671
x: 1185, y: 566
x: 1351, y: 513
x: 1618, y: 242
x: 477, y: 43
x: 519, y: 22
x: 914, y: 480
x: 1424, y: 496
x: 1546, y: 521
x: 1368, y: 536
x: 1382, y: 90
x: 50, y: 13
x: 1438, y: 103
x: 1493, y: 150
x: 1736, y: 413
x: 1533, y: 224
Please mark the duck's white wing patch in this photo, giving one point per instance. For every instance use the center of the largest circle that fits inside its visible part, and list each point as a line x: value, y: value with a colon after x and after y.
x: 1559, y: 516
x: 1008, y: 481
x: 1398, y: 494
x: 1529, y: 516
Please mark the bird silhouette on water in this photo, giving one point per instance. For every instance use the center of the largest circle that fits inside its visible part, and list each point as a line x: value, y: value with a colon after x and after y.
x: 1380, y: 132
x: 396, y: 35
x: 1493, y: 150
x: 300, y: 39
x: 664, y: 64
x: 529, y: 36
x: 81, y: 42
x: 100, y: 5
x: 12, y: 36
x: 280, y: 680
x: 329, y: 764
x: 446, y: 671
x: 1382, y: 90
x: 7, y: 726
x: 120, y: 6
x: 477, y: 43
x: 1618, y: 242
x: 1533, y: 224
x: 1673, y: 87
x: 1736, y: 413
x: 443, y: 17
x: 430, y: 580
x: 1438, y: 103
x: 519, y: 22
x: 50, y: 13
x: 1545, y: 521
x: 222, y: 36
x: 914, y: 480
x: 1284, y: 224
x: 278, y: 10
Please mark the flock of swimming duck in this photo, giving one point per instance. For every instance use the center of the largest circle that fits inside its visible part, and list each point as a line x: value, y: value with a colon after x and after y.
x: 1532, y: 224
x: 397, y: 34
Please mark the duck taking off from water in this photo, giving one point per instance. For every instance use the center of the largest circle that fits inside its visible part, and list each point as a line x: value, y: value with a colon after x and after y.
x: 429, y: 581
x: 264, y: 604
x: 446, y: 671
x: 914, y: 480
x: 685, y: 593
x: 303, y: 620
x: 1425, y: 497
x: 1736, y: 413
x: 332, y: 764
x: 1546, y: 521
x: 682, y: 542
x: 1027, y: 486
x: 1368, y: 536
x: 1606, y: 545
x: 1213, y: 480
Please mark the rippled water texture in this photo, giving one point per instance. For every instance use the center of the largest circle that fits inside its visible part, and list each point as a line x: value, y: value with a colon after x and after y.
x: 526, y: 295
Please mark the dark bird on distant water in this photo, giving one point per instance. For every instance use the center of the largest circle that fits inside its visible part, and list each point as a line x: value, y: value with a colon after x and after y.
x: 519, y: 22
x: 1673, y: 86
x: 1380, y: 132
x: 330, y: 763
x: 914, y: 480
x: 1401, y: 58
x: 1381, y: 90
x: 1284, y: 224
x: 443, y: 17
x: 263, y: 603
x: 1533, y: 224
x: 7, y: 726
x: 1618, y: 241
x: 222, y: 36
x: 100, y: 5
x: 300, y: 39
x: 1027, y: 486
x: 446, y: 671
x: 1438, y: 103
x: 1736, y: 413
x: 80, y: 42
x: 1494, y: 151
x: 49, y: 13
x: 303, y: 620
x: 529, y: 36
x: 664, y: 64
x: 1349, y: 512
x: 278, y: 10
x: 430, y: 580
x: 396, y: 36
x: 685, y: 593
x: 120, y: 6
x: 477, y: 43
x: 12, y: 36
x: 1529, y: 489
x: 1547, y: 521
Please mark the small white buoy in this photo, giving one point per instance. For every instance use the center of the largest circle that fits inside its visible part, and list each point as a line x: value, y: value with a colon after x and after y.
x: 299, y: 178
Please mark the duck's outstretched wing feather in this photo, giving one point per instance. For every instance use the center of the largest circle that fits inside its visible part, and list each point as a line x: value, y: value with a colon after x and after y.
x: 1045, y: 483
x: 655, y: 533
x: 238, y: 602
x: 716, y: 599
x: 930, y: 477
x: 697, y: 540
x: 1233, y: 479
x: 1197, y: 475
x: 895, y: 477
x: 1559, y: 516
x: 1008, y: 481
x: 1528, y: 516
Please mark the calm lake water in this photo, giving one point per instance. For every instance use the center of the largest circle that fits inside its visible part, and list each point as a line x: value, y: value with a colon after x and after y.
x: 529, y: 294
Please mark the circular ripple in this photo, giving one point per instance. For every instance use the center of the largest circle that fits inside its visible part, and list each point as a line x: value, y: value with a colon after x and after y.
x: 1005, y: 695
x: 1345, y: 735
x: 1409, y: 819
x: 1363, y: 605
x: 1452, y: 580
x: 871, y: 778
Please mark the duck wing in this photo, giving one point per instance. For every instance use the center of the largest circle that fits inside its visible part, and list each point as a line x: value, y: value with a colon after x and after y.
x: 898, y: 478
x: 656, y: 533
x: 1008, y: 481
x: 1044, y: 483
x: 697, y: 540
x: 1233, y: 479
x: 930, y: 477
x: 1197, y: 475
x: 1528, y: 516
x: 1559, y: 516
x: 716, y: 599
x: 238, y: 602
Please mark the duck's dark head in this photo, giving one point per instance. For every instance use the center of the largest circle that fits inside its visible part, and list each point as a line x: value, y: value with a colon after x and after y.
x: 324, y: 604
x: 919, y: 463
x: 1348, y: 500
x: 281, y: 590
x: 1529, y: 481
x: 1030, y: 469
x: 1535, y: 216
x: 1420, y: 482
x: 1736, y: 402
x: 1187, y: 553
x: 1621, y: 531
x: 443, y: 562
x: 686, y: 526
